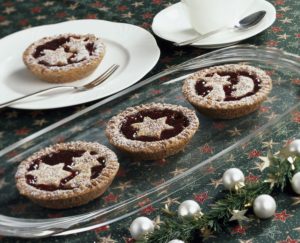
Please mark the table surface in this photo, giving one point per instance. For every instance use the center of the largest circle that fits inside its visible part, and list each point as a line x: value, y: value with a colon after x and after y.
x: 17, y: 124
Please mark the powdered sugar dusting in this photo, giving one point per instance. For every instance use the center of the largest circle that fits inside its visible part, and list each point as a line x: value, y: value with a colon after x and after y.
x: 117, y: 138
x: 190, y: 93
x: 75, y: 50
x: 244, y: 86
x: 57, y: 57
x: 217, y: 83
x: 49, y: 175
x: 83, y: 164
x: 78, y: 46
x: 151, y: 127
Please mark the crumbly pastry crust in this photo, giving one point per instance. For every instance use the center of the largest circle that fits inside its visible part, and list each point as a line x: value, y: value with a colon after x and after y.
x: 85, y: 192
x: 156, y: 149
x: 69, y: 72
x: 227, y: 109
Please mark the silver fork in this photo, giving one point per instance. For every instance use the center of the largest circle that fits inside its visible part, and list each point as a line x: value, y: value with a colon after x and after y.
x: 87, y: 86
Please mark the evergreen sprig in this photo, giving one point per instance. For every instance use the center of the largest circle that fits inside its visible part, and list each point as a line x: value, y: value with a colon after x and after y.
x: 282, y: 166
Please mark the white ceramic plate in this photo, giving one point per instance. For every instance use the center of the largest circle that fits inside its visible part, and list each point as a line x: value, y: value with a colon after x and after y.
x: 132, y: 47
x: 172, y: 24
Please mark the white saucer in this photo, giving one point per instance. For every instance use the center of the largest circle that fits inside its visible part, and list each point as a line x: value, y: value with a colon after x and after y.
x: 173, y: 24
x: 130, y: 46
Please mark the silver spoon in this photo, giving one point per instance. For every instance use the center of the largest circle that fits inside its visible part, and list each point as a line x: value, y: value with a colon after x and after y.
x: 243, y: 24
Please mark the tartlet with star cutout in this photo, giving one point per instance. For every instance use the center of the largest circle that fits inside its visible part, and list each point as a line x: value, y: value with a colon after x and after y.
x: 152, y: 131
x: 64, y: 58
x: 227, y: 91
x: 67, y: 175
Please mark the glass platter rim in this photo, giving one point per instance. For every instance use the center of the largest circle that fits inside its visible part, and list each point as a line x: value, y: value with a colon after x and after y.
x: 204, y: 60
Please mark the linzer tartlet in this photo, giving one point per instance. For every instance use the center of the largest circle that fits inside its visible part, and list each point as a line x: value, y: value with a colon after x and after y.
x: 152, y: 131
x: 64, y: 58
x: 67, y: 175
x: 227, y: 91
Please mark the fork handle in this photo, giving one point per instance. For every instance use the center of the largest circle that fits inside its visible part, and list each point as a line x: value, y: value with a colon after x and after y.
x: 43, y: 91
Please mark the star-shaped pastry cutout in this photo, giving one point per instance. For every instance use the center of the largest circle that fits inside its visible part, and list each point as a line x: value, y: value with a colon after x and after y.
x: 55, y: 57
x: 78, y: 46
x: 151, y: 127
x: 83, y: 165
x: 239, y: 215
x: 49, y: 174
x: 217, y: 83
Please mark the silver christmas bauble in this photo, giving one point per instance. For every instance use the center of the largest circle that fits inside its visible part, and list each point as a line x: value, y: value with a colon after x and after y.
x: 232, y: 177
x: 176, y: 241
x: 296, y: 183
x: 264, y: 206
x: 188, y: 208
x: 140, y: 227
x: 294, y: 147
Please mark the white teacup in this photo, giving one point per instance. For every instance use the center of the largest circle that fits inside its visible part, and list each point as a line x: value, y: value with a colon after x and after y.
x: 209, y: 15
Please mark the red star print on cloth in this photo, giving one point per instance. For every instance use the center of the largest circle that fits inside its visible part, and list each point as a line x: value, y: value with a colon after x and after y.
x: 276, y: 29
x: 238, y: 230
x: 161, y: 162
x: 272, y: 43
x: 144, y: 202
x: 201, y: 197
x: 101, y: 229
x: 296, y: 81
x: 209, y: 169
x: 264, y: 109
x: 128, y: 240
x: 206, y: 149
x: 148, y: 210
x: 289, y: 240
x: 219, y: 125
x: 253, y: 154
x: 296, y: 117
x: 22, y: 131
x: 279, y: 15
x: 111, y: 198
x: 11, y: 154
x: 251, y: 178
x: 282, y: 216
x: 279, y: 2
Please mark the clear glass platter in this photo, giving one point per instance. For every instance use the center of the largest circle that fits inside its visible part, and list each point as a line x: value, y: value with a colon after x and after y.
x: 130, y: 191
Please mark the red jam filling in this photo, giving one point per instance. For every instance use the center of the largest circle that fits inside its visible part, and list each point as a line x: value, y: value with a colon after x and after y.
x: 202, y: 90
x: 67, y: 157
x: 57, y: 43
x: 174, y: 118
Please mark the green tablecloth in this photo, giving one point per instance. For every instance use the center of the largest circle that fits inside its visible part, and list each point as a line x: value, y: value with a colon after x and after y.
x: 17, y: 124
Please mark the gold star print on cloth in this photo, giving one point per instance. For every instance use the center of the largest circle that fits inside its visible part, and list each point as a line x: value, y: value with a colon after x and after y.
x: 239, y: 215
x: 49, y: 175
x: 56, y: 57
x: 83, y: 165
x: 151, y: 127
x: 217, y: 83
